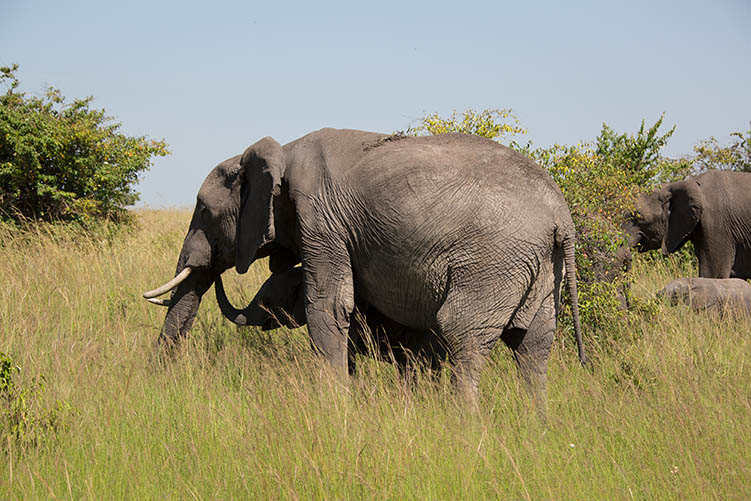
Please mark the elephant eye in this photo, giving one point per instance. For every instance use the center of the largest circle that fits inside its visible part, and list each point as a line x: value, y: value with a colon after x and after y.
x: 205, y: 213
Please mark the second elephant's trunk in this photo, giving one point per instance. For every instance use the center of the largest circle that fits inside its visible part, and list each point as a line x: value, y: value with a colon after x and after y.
x: 253, y: 314
x: 266, y: 310
x: 240, y: 317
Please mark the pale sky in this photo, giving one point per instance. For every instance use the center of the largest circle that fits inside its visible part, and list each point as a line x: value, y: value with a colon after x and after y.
x: 214, y: 77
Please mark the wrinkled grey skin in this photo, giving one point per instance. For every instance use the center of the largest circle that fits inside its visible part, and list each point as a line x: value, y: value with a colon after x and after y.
x: 701, y: 293
x: 712, y: 210
x: 451, y: 233
x: 281, y: 302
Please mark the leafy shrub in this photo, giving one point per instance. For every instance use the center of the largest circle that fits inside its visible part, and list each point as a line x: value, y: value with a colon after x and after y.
x: 598, y: 193
x: 601, y: 183
x: 492, y: 124
x: 710, y: 155
x: 63, y: 160
x: 24, y: 421
x: 638, y: 156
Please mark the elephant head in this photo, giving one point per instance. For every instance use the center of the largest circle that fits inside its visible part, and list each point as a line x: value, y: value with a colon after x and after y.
x: 666, y: 219
x: 234, y: 223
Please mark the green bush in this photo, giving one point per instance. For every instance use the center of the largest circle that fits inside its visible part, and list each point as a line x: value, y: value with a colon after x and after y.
x: 598, y: 192
x: 638, y: 156
x: 737, y: 156
x: 24, y: 420
x: 601, y: 182
x: 64, y: 160
x: 492, y: 124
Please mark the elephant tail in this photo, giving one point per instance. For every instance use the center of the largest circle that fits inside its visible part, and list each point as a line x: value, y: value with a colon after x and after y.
x: 570, y: 261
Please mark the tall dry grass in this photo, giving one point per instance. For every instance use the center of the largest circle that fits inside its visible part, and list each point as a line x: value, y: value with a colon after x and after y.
x: 663, y: 413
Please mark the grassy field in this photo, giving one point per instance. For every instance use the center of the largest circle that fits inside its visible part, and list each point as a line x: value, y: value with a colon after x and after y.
x: 664, y: 414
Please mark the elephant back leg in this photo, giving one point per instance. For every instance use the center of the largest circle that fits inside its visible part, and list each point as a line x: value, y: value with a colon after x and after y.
x: 531, y: 348
x: 530, y: 332
x: 468, y: 338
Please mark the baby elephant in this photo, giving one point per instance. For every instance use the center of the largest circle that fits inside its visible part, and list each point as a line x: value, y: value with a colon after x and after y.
x: 281, y: 302
x: 700, y: 293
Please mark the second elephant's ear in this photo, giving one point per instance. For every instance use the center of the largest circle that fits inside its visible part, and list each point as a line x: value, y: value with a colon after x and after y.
x: 682, y: 213
x: 261, y: 169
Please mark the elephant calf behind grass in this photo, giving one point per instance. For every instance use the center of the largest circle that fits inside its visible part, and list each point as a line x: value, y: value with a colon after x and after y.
x: 702, y: 293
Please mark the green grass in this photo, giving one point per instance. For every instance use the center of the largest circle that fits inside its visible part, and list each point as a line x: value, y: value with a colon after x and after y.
x: 665, y: 413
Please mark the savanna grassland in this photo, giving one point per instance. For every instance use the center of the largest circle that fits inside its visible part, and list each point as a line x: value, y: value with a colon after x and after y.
x: 663, y: 412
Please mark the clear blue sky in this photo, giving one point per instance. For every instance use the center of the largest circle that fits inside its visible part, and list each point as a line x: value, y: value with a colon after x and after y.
x: 213, y: 77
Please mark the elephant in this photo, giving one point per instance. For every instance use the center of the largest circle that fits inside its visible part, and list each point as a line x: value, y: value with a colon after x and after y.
x: 451, y: 233
x: 281, y: 302
x: 711, y: 210
x: 702, y: 293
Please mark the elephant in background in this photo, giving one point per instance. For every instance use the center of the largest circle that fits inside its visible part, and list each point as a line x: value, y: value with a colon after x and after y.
x: 712, y: 211
x: 453, y: 234
x: 281, y: 302
x: 701, y: 293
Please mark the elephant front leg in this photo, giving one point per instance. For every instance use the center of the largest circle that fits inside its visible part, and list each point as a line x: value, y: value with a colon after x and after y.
x: 716, y: 255
x: 329, y: 304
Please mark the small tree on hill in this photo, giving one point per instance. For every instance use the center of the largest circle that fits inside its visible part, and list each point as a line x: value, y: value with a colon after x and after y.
x: 64, y: 160
x: 737, y: 156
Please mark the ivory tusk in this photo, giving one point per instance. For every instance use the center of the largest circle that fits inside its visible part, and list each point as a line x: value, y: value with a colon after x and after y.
x: 159, y: 302
x: 169, y: 285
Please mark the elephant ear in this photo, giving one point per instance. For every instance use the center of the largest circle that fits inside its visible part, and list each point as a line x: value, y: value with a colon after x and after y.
x: 261, y: 170
x: 683, y: 212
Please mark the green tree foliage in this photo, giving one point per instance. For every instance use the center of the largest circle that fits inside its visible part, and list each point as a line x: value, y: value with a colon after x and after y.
x: 737, y: 156
x: 493, y: 124
x: 64, y: 160
x: 601, y: 182
x: 638, y: 156
x: 24, y: 418
x: 598, y: 192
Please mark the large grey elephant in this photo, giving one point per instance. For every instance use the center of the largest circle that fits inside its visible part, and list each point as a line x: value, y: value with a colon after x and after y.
x: 450, y: 233
x: 712, y: 210
x: 281, y: 302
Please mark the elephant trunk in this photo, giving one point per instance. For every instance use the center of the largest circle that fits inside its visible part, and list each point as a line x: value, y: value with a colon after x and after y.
x: 253, y: 314
x: 184, y: 304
